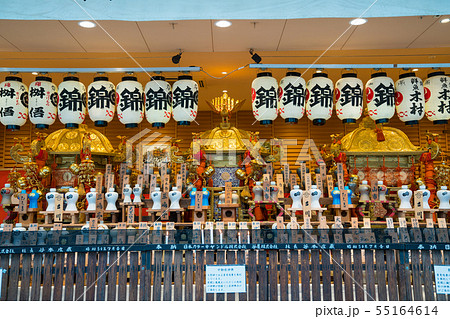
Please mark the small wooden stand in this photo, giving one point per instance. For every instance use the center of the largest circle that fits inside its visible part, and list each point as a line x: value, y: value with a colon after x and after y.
x: 113, y: 215
x: 200, y: 216
x: 175, y: 215
x: 29, y: 217
x: 48, y: 216
x: 229, y: 212
x: 344, y: 214
x: 86, y: 214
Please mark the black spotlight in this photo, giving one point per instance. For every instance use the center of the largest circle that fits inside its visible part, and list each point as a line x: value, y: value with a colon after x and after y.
x: 255, y: 56
x: 176, y: 58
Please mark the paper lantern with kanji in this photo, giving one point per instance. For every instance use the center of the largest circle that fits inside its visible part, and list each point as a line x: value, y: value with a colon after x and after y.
x: 319, y: 98
x: 185, y: 100
x: 101, y: 101
x: 72, y: 102
x: 43, y: 102
x: 349, y: 98
x: 409, y: 98
x: 291, y: 94
x: 264, y: 98
x: 130, y: 101
x: 13, y: 103
x: 437, y: 97
x: 380, y: 97
x: 158, y: 101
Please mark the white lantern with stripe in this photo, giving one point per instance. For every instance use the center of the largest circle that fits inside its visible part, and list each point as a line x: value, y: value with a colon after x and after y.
x: 380, y: 97
x: 185, y: 100
x: 101, y: 101
x: 349, y: 98
x: 72, y: 102
x: 437, y: 97
x: 319, y: 98
x: 291, y: 94
x: 43, y: 102
x: 158, y: 101
x: 130, y: 101
x: 264, y: 98
x: 409, y: 98
x: 13, y: 103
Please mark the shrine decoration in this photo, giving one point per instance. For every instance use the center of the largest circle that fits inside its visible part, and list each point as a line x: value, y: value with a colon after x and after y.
x: 380, y: 97
x: 72, y: 102
x: 409, y: 98
x: 130, y: 101
x: 349, y: 98
x: 158, y: 102
x: 437, y: 97
x: 291, y: 95
x: 319, y: 98
x: 185, y: 100
x: 43, y: 102
x: 13, y: 103
x: 264, y: 98
x: 101, y: 101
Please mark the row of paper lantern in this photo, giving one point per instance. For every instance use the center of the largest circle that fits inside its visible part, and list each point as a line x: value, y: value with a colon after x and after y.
x: 408, y: 95
x: 44, y: 101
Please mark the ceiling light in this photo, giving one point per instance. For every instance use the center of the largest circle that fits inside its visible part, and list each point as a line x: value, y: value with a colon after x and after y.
x: 445, y: 20
x: 255, y: 57
x: 34, y: 73
x: 224, y: 91
x: 87, y: 24
x: 415, y: 70
x: 223, y: 24
x: 358, y: 21
x: 223, y: 72
x: 318, y: 71
x: 176, y: 58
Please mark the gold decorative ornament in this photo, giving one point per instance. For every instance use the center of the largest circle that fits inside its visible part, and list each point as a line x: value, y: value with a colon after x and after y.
x: 44, y: 172
x: 240, y: 174
x: 70, y: 141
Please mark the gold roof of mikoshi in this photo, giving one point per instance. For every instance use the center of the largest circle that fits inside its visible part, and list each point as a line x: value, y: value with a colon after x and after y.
x: 220, y: 139
x: 364, y: 139
x: 70, y: 141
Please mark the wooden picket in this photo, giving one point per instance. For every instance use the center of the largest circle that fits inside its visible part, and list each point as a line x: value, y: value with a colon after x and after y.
x: 305, y: 272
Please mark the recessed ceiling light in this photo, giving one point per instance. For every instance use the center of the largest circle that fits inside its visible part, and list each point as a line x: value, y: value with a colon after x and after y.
x: 34, y: 73
x: 224, y: 72
x: 358, y: 21
x: 445, y: 20
x: 318, y: 71
x: 224, y: 91
x: 415, y: 70
x: 223, y: 24
x: 87, y: 24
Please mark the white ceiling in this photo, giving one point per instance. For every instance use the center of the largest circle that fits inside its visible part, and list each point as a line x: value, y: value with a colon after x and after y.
x: 204, y: 36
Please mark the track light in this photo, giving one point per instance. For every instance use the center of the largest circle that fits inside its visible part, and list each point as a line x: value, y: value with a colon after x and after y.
x: 176, y: 58
x: 255, y: 56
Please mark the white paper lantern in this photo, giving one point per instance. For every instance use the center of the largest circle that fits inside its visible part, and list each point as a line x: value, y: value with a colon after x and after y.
x: 158, y: 101
x: 291, y: 94
x: 130, y: 101
x: 13, y: 103
x: 101, y: 101
x: 409, y: 98
x: 264, y: 98
x: 380, y: 97
x: 43, y: 102
x: 319, y: 98
x: 437, y: 97
x: 349, y: 98
x: 72, y: 102
x: 185, y: 100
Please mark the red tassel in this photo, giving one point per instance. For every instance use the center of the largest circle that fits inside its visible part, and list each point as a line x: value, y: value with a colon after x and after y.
x: 380, y: 135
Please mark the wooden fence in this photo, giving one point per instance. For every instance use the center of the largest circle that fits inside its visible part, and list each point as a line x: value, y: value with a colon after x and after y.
x: 288, y: 265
